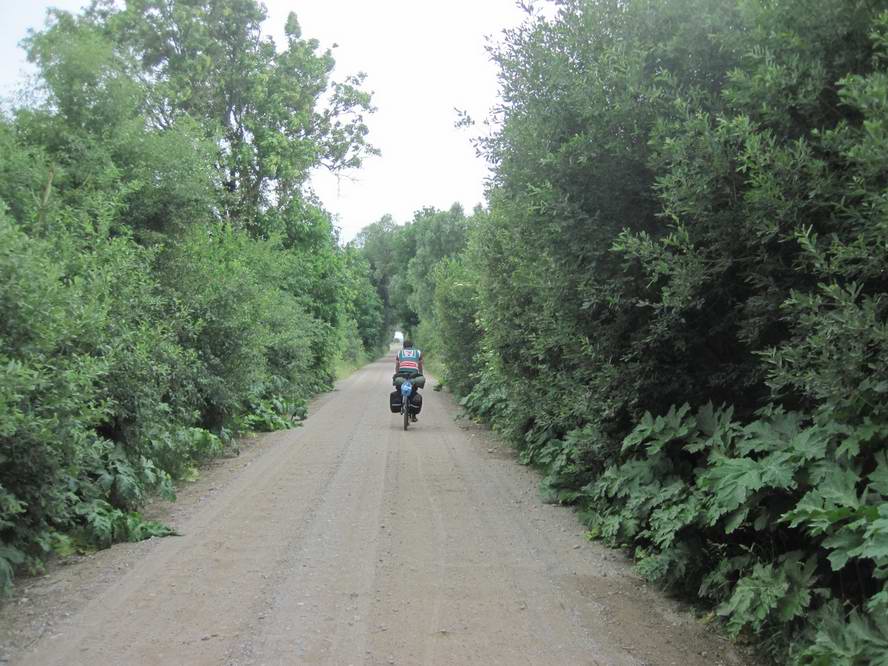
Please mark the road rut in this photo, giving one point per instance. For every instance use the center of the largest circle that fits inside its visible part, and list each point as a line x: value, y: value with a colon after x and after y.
x: 350, y: 541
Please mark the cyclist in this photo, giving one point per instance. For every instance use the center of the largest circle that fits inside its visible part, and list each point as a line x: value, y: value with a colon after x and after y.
x: 408, y: 361
x: 408, y: 364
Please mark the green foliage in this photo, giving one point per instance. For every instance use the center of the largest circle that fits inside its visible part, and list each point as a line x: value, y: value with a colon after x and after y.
x: 406, y: 266
x: 270, y: 414
x: 846, y: 639
x: 262, y: 102
x: 9, y: 558
x: 455, y: 309
x: 363, y: 304
x: 105, y: 525
x: 688, y: 210
x: 168, y: 281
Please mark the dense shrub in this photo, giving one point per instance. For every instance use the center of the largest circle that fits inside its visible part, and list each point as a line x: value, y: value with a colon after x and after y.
x: 455, y: 310
x: 167, y: 284
x: 50, y: 401
x: 676, y: 305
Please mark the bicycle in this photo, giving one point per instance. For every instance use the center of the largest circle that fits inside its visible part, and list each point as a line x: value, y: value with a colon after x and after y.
x: 406, y: 403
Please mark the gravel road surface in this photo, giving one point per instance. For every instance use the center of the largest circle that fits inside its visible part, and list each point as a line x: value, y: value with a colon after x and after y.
x: 350, y: 541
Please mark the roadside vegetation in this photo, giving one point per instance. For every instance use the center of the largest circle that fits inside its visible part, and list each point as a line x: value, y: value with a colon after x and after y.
x: 168, y: 279
x: 404, y: 261
x: 675, y: 303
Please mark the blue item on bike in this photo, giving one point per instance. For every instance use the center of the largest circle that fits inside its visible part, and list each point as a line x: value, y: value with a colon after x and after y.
x: 406, y: 388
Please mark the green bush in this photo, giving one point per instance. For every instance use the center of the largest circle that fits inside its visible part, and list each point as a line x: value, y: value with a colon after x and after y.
x: 688, y: 210
x: 49, y: 398
x: 456, y: 328
x: 769, y: 520
x: 167, y: 281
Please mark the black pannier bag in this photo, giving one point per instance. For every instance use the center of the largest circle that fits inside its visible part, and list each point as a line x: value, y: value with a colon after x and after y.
x: 416, y: 401
x: 395, y: 401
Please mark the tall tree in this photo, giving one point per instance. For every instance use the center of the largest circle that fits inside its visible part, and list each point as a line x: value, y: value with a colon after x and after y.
x: 275, y: 114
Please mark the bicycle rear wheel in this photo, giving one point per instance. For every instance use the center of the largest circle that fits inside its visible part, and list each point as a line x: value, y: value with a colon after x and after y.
x: 406, y: 410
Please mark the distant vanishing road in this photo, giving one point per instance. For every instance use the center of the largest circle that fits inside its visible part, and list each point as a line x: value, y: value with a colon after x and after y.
x: 350, y: 541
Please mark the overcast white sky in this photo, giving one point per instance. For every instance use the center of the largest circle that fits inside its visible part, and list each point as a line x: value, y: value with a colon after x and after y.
x: 422, y: 59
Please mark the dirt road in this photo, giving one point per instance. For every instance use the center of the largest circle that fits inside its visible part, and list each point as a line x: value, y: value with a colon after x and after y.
x: 350, y: 541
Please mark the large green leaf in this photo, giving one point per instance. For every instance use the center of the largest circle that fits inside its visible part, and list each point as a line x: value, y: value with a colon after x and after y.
x: 755, y: 596
x: 729, y: 482
x: 878, y: 478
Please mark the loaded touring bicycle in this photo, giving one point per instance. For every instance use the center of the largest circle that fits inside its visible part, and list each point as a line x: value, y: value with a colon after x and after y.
x: 406, y: 399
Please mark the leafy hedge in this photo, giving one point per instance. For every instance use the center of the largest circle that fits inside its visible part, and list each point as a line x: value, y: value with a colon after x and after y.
x: 676, y: 304
x: 168, y: 282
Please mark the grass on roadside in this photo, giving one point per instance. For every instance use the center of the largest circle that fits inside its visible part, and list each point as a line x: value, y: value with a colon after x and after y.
x: 346, y: 366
